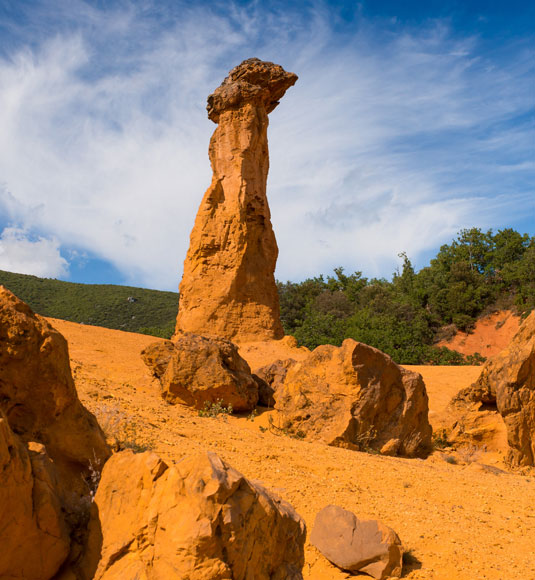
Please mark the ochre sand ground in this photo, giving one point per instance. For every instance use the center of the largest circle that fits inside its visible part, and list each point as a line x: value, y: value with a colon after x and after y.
x: 458, y: 521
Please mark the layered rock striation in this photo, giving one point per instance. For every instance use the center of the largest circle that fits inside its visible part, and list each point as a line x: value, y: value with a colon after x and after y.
x: 228, y: 287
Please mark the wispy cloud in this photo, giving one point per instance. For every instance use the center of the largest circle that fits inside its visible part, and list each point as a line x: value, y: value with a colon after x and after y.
x: 392, y: 139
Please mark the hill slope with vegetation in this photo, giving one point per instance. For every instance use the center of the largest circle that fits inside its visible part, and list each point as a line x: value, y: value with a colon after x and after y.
x: 119, y: 307
x: 404, y: 317
x: 477, y: 272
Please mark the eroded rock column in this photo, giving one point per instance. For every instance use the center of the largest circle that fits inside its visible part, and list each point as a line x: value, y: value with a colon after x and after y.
x: 228, y: 287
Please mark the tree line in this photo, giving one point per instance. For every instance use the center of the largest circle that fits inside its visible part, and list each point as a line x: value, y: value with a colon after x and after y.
x: 404, y: 317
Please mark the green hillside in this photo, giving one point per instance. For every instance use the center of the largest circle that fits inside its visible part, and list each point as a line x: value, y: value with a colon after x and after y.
x: 120, y: 307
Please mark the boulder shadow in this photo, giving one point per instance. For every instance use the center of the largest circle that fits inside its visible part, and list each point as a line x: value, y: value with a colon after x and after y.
x: 410, y: 563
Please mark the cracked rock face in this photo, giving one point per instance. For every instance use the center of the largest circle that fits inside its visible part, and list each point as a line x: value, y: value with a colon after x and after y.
x: 357, y: 397
x: 34, y: 538
x: 228, y: 287
x: 37, y: 392
x: 508, y: 380
x: 198, y: 519
x: 356, y: 545
x: 195, y: 370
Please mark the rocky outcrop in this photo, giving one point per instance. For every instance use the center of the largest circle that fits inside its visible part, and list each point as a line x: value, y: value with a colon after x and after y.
x: 38, y: 396
x: 34, y: 537
x: 37, y: 391
x: 199, y: 519
x: 269, y: 378
x: 355, y: 545
x: 157, y: 356
x: 508, y: 381
x: 357, y: 397
x: 195, y: 370
x: 228, y: 287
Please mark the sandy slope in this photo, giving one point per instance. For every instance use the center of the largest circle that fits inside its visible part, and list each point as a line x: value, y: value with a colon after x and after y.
x: 458, y: 521
x: 490, y: 335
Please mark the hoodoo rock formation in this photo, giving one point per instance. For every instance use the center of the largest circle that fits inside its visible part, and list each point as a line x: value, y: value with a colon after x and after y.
x: 228, y: 287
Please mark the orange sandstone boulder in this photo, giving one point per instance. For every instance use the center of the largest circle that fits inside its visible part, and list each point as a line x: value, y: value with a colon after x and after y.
x: 195, y: 370
x: 357, y: 397
x: 157, y: 356
x: 357, y: 545
x: 34, y: 538
x: 199, y: 519
x: 228, y: 287
x: 37, y: 391
x: 269, y: 378
x: 508, y: 381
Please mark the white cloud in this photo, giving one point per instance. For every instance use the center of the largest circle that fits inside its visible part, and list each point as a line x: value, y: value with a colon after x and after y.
x: 389, y: 142
x: 21, y: 253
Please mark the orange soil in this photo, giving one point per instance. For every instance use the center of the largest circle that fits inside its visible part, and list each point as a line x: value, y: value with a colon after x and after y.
x: 490, y: 335
x: 460, y: 522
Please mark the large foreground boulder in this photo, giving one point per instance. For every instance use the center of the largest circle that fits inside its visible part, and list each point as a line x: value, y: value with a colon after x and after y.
x: 228, y: 288
x: 34, y: 538
x: 195, y: 370
x: 357, y: 545
x: 508, y: 381
x: 357, y: 397
x: 37, y: 391
x: 198, y: 520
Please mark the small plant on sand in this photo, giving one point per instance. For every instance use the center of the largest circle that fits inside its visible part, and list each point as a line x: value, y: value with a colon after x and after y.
x: 216, y: 409
x: 93, y: 478
x: 122, y: 430
x: 289, y: 432
x: 440, y: 439
x: 363, y: 441
x: 276, y: 428
x: 252, y: 416
x: 470, y: 453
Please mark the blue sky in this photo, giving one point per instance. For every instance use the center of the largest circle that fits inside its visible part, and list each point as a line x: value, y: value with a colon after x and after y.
x: 409, y: 121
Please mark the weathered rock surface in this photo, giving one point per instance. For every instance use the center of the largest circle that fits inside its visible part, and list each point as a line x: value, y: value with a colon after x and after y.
x: 37, y: 391
x: 357, y: 397
x: 508, y: 381
x: 157, y: 356
x: 34, y: 537
x: 228, y: 287
x: 357, y: 545
x: 269, y: 378
x: 199, y: 519
x: 198, y: 369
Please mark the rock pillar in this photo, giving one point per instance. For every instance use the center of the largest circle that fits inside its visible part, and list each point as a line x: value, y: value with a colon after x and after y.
x: 228, y: 287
